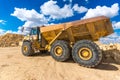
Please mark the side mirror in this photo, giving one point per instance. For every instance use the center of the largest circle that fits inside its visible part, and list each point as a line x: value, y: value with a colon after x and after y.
x: 22, y: 29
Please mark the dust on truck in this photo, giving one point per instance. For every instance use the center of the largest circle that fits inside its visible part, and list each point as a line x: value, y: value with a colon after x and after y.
x: 74, y: 39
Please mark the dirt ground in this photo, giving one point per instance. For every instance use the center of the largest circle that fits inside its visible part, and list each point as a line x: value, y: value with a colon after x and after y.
x: 15, y: 66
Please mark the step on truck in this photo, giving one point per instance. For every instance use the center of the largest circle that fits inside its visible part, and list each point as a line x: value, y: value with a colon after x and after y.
x: 76, y: 39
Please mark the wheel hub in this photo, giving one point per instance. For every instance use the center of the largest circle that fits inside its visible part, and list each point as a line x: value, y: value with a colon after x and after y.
x: 25, y: 48
x: 85, y: 53
x: 58, y: 51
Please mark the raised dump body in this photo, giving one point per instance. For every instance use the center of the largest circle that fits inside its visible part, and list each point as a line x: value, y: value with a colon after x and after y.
x: 90, y: 29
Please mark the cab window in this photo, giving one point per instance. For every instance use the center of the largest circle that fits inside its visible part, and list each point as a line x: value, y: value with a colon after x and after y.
x: 33, y: 32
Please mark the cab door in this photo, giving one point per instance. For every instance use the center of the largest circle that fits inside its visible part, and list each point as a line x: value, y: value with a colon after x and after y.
x: 35, y: 36
x: 34, y: 33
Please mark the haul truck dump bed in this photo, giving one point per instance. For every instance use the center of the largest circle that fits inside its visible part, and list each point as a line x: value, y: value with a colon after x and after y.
x: 91, y: 29
x: 73, y: 38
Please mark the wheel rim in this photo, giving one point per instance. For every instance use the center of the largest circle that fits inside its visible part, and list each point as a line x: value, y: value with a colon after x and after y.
x: 58, y: 51
x: 85, y: 53
x: 25, y: 49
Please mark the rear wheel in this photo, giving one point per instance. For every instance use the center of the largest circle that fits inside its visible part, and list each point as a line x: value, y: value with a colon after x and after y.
x: 86, y: 53
x: 60, y: 50
x: 27, y: 49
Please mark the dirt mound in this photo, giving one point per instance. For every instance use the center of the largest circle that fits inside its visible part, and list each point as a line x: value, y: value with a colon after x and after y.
x: 111, y: 52
x: 10, y: 40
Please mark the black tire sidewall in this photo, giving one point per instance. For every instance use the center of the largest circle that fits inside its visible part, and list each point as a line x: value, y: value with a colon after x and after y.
x: 29, y: 51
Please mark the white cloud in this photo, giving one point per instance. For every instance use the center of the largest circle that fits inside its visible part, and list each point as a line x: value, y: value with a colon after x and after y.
x: 103, y: 10
x: 51, y: 9
x: 10, y: 31
x: 68, y: 0
x: 80, y: 9
x: 2, y: 32
x: 31, y: 17
x: 113, y: 38
x: 116, y: 25
x: 2, y: 21
x: 86, y: 0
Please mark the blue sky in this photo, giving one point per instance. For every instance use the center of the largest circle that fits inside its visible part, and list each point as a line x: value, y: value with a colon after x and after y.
x: 15, y: 14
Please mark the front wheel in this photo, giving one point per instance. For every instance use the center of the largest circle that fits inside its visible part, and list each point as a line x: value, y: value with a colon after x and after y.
x: 27, y: 49
x: 86, y: 53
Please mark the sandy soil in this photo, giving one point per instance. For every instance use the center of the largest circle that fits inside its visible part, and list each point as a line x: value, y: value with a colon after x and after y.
x: 15, y: 66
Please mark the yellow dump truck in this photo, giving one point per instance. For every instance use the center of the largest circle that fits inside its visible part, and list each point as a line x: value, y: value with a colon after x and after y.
x: 74, y: 39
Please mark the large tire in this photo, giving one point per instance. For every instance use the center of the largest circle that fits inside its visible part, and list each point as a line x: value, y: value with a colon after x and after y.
x: 86, y: 53
x: 27, y: 49
x: 56, y: 49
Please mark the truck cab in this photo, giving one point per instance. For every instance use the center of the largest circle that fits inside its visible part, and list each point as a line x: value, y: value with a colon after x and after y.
x: 35, y: 33
x: 33, y: 41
